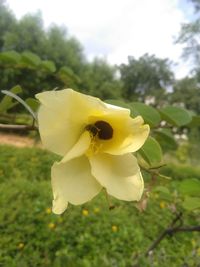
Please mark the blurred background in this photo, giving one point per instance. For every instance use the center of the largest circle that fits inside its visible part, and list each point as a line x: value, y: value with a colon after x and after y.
x: 130, y: 50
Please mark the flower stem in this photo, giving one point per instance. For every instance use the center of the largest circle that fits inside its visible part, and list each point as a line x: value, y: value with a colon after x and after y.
x: 111, y: 207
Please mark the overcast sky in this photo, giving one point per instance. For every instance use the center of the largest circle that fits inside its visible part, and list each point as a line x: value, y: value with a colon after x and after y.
x: 114, y: 29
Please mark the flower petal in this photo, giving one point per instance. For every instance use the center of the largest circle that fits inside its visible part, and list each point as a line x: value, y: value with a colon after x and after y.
x: 79, y: 148
x: 59, y: 205
x: 120, y: 175
x: 63, y: 116
x: 136, y: 138
x: 129, y: 135
x: 73, y: 182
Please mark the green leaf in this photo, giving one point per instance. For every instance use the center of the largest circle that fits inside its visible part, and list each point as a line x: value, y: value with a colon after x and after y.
x: 67, y: 75
x: 16, y: 89
x: 162, y: 189
x: 7, y: 102
x: 10, y: 57
x: 166, y: 139
x: 151, y: 152
x: 190, y: 187
x: 149, y: 114
x: 48, y: 66
x: 8, y: 93
x: 195, y: 121
x: 176, y: 116
x: 191, y: 203
x: 164, y: 193
x: 32, y: 103
x: 30, y: 59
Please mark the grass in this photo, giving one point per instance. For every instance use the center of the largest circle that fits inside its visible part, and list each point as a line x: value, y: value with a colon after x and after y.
x: 84, y: 236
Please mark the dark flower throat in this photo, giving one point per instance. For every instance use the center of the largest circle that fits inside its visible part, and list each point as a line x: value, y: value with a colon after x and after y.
x: 102, y: 129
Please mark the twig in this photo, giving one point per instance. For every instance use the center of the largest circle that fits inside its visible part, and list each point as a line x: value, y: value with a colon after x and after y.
x: 184, y: 229
x: 172, y: 229
x: 17, y: 127
x: 108, y: 200
x: 163, y: 234
x: 153, y: 171
x: 157, y: 167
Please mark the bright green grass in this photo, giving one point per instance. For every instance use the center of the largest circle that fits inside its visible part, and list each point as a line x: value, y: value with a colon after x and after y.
x: 28, y: 239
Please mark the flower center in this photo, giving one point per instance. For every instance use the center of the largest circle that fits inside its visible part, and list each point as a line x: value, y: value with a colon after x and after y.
x: 102, y: 129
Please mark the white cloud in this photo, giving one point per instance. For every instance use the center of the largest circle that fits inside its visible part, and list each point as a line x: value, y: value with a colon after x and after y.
x: 116, y: 28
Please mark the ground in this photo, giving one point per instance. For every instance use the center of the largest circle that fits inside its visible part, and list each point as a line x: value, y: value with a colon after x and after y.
x: 17, y: 140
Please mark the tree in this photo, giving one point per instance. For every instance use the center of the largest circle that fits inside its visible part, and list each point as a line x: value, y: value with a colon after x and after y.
x: 98, y: 78
x: 27, y: 34
x: 196, y: 4
x: 7, y: 22
x: 63, y: 50
x: 190, y: 36
x: 186, y: 92
x: 147, y: 76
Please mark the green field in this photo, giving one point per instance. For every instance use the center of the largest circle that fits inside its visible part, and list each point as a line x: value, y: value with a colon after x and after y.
x: 87, y: 236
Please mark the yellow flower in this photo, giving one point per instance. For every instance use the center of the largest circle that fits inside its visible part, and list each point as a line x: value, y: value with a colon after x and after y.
x: 114, y: 228
x: 20, y: 245
x: 85, y: 212
x: 48, y: 210
x: 51, y: 225
x: 162, y: 204
x: 96, y: 141
x: 96, y: 210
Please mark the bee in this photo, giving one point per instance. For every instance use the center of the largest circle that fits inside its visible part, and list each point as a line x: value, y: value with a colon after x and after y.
x: 102, y: 129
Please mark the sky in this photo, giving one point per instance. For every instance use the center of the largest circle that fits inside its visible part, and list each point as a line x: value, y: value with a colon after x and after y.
x: 115, y: 29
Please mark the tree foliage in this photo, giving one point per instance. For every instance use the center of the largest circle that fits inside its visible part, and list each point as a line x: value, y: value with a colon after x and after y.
x: 148, y: 75
x: 7, y: 22
x: 190, y: 37
x: 39, y: 60
x: 186, y: 92
x: 99, y: 79
x: 28, y: 34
